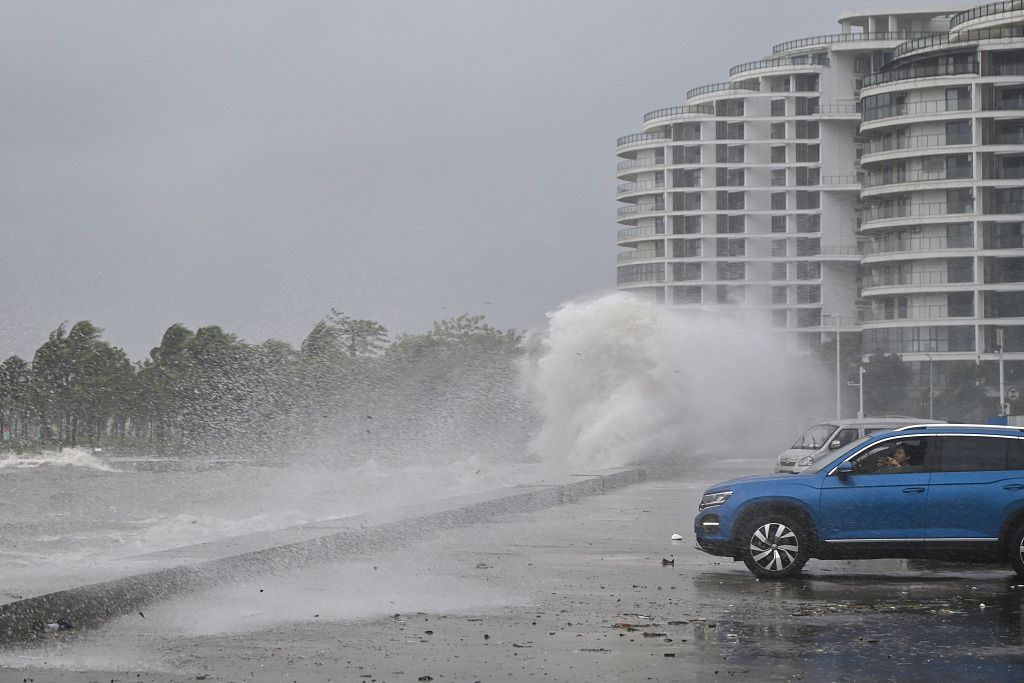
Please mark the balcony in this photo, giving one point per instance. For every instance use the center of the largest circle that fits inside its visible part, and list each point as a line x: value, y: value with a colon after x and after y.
x: 834, y: 38
x: 918, y: 108
x: 741, y: 87
x: 639, y: 255
x: 991, y: 9
x: 637, y: 233
x: 641, y: 139
x: 913, y: 244
x: 925, y: 312
x: 638, y: 164
x: 646, y: 186
x: 924, y: 278
x: 680, y: 111
x: 920, y: 72
x: 920, y: 210
x: 785, y: 63
x: 915, y: 176
x: 892, y: 144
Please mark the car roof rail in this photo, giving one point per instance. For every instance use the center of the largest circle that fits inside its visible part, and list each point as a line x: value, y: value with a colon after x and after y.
x: 955, y: 425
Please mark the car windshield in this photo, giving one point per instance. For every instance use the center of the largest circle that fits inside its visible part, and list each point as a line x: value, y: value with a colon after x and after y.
x: 828, y: 457
x: 815, y: 437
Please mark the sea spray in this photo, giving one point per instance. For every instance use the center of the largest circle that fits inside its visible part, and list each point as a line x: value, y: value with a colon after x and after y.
x: 70, y: 457
x: 618, y: 380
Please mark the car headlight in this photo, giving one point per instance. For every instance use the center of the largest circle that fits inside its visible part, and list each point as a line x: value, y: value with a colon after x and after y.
x: 806, y: 461
x: 717, y: 498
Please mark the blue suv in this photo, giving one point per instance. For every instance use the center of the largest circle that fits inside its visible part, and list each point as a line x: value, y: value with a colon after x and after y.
x: 949, y: 492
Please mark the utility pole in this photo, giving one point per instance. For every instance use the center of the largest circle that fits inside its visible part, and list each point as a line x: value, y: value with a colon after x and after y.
x: 931, y: 386
x: 1002, y: 383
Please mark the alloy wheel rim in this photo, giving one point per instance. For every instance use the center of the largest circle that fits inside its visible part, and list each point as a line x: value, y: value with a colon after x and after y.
x: 774, y: 547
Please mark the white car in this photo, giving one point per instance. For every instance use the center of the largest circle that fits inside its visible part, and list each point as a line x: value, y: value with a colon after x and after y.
x: 823, y: 439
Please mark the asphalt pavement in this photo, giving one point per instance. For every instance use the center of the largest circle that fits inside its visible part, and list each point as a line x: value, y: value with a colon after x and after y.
x: 594, y: 590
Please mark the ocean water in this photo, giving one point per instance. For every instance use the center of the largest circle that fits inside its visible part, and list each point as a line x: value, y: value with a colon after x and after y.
x: 608, y: 382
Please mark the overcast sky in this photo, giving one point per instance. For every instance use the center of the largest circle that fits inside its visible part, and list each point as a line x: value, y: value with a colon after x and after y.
x: 253, y: 164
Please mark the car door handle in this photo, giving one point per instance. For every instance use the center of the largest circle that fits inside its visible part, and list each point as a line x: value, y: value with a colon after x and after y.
x: 914, y: 489
x: 1014, y: 487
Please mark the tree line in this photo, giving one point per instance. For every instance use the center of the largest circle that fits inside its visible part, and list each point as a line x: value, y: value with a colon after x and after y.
x: 207, y: 391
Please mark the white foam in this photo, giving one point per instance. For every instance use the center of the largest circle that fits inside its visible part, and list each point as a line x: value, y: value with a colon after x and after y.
x: 70, y: 457
x: 617, y: 379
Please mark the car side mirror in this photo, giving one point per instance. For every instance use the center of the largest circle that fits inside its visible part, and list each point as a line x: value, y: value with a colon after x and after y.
x: 844, y: 469
x: 836, y: 443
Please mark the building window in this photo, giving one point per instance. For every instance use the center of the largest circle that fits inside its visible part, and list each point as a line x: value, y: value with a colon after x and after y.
x: 808, y: 270
x: 729, y: 108
x: 808, y: 152
x: 779, y: 248
x: 778, y: 201
x: 641, y: 272
x: 958, y: 99
x: 808, y: 200
x: 731, y: 247
x: 805, y: 83
x: 806, y: 130
x: 861, y: 64
x: 808, y: 294
x: 960, y: 270
x: 779, y: 271
x: 778, y: 131
x: 779, y: 107
x: 686, y: 271
x: 779, y: 223
x: 808, y: 222
x: 958, y: 132
x: 779, y: 154
x: 686, y: 295
x: 808, y: 317
x: 959, y: 201
x: 778, y: 178
x: 731, y: 271
x: 807, y: 106
x: 778, y: 295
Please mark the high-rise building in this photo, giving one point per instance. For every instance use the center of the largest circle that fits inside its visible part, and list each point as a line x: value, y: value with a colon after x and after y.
x: 745, y: 199
x: 943, y: 192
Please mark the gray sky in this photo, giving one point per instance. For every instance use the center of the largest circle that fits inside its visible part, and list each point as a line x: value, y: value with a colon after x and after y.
x: 253, y: 164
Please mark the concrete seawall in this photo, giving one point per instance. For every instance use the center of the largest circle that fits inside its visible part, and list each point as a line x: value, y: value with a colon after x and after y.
x: 198, y: 566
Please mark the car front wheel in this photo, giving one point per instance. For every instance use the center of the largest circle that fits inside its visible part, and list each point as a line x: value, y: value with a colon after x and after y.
x: 1017, y: 550
x: 774, y: 546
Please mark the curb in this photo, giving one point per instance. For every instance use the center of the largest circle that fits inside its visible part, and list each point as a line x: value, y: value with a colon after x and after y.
x: 193, y: 567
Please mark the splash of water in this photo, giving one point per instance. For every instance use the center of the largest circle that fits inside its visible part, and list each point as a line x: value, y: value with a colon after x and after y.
x: 618, y: 380
x: 68, y: 457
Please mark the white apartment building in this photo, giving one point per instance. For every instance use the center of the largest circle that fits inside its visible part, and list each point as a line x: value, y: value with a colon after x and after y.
x: 745, y: 198
x: 943, y: 193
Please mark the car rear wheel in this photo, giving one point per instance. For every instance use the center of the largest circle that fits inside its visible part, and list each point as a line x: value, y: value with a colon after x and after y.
x: 774, y: 546
x: 1016, y: 550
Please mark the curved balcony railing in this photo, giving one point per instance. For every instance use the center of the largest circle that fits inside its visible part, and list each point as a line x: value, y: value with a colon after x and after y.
x: 914, y: 244
x: 705, y: 109
x: 920, y: 72
x: 641, y: 187
x: 986, y: 11
x: 833, y: 38
x: 640, y: 233
x: 630, y: 164
x: 773, y: 62
x: 842, y: 108
x: 922, y: 312
x: 960, y: 38
x: 637, y: 138
x: 921, y: 210
x: 893, y: 144
x: 747, y: 86
x: 919, y: 108
x: 851, y: 179
x: 892, y: 279
x: 915, y: 176
x: 638, y: 255
x: 630, y: 210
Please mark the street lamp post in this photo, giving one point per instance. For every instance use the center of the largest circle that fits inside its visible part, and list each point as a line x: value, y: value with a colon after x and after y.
x: 839, y: 382
x: 931, y: 392
x: 860, y: 390
x: 1002, y: 383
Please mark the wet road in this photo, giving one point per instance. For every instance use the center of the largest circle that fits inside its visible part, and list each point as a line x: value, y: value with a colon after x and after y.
x: 573, y: 593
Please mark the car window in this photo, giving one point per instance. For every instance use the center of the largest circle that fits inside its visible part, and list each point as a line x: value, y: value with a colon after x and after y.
x: 974, y: 453
x: 1015, y: 455
x: 815, y: 437
x: 884, y: 459
x: 844, y: 436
